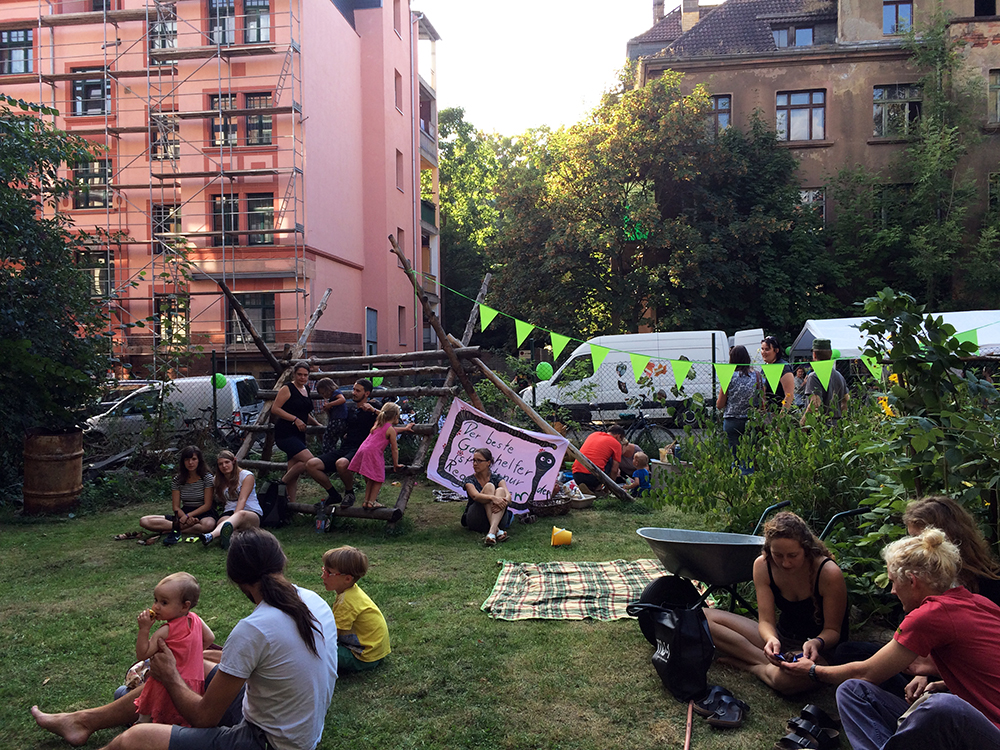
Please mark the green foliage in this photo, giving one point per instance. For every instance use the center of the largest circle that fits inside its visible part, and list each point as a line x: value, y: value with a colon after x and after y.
x: 123, y: 488
x: 52, y: 339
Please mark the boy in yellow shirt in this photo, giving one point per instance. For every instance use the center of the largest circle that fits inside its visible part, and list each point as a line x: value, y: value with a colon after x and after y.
x: 362, y: 634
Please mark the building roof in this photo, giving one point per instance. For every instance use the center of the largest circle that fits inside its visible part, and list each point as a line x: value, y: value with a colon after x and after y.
x: 744, y: 26
x: 666, y: 30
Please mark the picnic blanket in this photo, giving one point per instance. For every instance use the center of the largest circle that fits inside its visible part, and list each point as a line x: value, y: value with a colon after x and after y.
x: 568, y: 590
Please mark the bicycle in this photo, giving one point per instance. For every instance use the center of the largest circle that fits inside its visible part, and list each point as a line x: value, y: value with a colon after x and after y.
x: 648, y: 435
x: 223, y: 432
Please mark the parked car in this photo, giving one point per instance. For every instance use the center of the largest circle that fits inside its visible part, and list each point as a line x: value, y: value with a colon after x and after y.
x: 186, y: 403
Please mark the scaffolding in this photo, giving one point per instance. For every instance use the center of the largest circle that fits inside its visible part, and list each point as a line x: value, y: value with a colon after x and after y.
x: 202, y: 177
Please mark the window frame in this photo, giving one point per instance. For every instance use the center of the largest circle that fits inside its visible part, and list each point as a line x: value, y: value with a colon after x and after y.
x: 256, y: 23
x: 91, y: 176
x: 884, y: 107
x: 814, y: 199
x: 260, y: 218
x: 223, y: 221
x: 224, y: 128
x: 8, y: 46
x: 993, y: 97
x: 716, y: 115
x: 164, y: 218
x: 895, y: 28
x: 259, y: 128
x: 164, y: 145
x: 264, y: 302
x: 162, y: 35
x: 83, y: 90
x: 787, y: 110
x: 102, y: 270
x: 177, y: 308
x: 222, y: 22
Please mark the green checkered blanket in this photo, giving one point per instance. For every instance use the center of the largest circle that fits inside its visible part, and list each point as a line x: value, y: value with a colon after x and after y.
x: 569, y: 591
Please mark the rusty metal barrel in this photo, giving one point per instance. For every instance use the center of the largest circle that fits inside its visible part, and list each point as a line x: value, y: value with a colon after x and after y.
x: 53, y: 470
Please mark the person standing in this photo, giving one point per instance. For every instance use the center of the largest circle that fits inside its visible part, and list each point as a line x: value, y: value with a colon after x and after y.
x: 784, y: 394
x: 832, y: 401
x: 736, y: 401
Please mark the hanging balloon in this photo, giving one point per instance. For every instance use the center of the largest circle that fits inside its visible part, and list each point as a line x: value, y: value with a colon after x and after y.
x: 543, y: 370
x: 219, y: 380
x: 836, y: 354
x: 376, y: 379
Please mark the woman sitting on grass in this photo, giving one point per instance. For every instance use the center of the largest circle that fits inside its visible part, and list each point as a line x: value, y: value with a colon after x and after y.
x: 191, y: 497
x: 797, y: 576
x: 234, y: 487
x: 486, y: 511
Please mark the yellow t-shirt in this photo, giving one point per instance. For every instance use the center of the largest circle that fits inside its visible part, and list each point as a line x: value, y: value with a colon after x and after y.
x: 360, y: 625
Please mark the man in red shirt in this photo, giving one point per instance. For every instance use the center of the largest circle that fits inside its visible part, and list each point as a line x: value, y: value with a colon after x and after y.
x: 604, y: 449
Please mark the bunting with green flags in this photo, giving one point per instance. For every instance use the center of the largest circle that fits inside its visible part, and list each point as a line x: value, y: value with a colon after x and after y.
x: 823, y: 369
x: 639, y: 363
x: 558, y: 344
x: 597, y: 354
x: 773, y: 374
x: 681, y: 369
x: 873, y: 367
x: 725, y: 373
x: 486, y: 315
x: 523, y: 329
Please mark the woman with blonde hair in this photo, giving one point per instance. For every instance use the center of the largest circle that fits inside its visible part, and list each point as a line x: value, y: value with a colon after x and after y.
x: 944, y: 621
x: 234, y: 489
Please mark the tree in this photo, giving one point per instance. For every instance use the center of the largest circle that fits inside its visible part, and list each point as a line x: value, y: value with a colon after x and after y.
x: 51, y: 341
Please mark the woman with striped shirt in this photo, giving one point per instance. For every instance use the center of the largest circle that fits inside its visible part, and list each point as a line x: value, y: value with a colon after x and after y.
x: 191, y: 497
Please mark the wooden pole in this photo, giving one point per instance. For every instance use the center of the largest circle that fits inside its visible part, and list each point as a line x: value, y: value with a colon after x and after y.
x: 613, y: 487
x: 376, y: 359
x: 456, y: 366
x: 257, y: 339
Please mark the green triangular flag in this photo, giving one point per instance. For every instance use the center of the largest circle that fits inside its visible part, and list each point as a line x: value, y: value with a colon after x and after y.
x: 639, y: 363
x: 597, y: 354
x: 773, y: 375
x: 725, y: 373
x: 558, y: 344
x: 823, y: 369
x: 972, y: 336
x: 486, y: 315
x: 681, y: 369
x: 873, y: 367
x: 523, y: 329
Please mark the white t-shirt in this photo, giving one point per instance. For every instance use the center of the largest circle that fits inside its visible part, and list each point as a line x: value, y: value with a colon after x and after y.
x: 288, y: 688
x: 252, y: 502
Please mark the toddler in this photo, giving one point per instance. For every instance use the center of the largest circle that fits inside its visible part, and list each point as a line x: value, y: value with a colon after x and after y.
x: 369, y: 461
x: 185, y: 635
x: 335, y: 406
x: 640, y: 484
x: 362, y: 634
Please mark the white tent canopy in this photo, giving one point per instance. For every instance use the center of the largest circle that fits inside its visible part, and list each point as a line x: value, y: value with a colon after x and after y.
x: 846, y: 337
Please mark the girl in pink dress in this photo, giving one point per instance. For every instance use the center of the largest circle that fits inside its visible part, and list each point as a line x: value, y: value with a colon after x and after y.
x: 369, y: 461
x: 185, y: 635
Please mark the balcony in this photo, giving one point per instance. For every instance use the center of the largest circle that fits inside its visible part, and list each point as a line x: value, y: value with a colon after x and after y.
x: 428, y: 214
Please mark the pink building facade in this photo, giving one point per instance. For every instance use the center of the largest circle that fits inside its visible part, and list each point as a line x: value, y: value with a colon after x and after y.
x: 278, y: 142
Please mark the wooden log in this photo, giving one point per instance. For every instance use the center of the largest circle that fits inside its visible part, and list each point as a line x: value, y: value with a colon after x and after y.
x: 395, y: 372
x: 418, y: 429
x: 613, y: 487
x: 264, y: 416
x: 257, y: 339
x: 405, y: 470
x: 416, y: 392
x: 355, y: 511
x: 425, y: 355
x: 436, y: 325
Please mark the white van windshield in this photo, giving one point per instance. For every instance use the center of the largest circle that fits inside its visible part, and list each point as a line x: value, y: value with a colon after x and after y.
x: 578, y: 368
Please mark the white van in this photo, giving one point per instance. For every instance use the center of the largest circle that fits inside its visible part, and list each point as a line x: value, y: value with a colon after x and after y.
x: 613, y: 393
x: 186, y: 402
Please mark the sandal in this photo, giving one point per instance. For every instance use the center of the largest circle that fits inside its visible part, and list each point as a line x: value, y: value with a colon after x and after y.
x: 796, y: 742
x: 711, y: 702
x: 150, y: 540
x: 372, y: 505
x: 490, y: 540
x: 126, y: 536
x: 819, y: 717
x: 823, y: 737
x: 729, y: 714
x: 502, y: 536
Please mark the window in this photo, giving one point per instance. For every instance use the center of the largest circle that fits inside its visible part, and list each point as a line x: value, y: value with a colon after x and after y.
x: 399, y: 170
x: 165, y: 218
x: 801, y: 115
x: 102, y: 5
x: 170, y: 324
x: 895, y: 109
x: 16, y: 52
x: 258, y: 126
x: 93, y: 178
x: 225, y: 219
x: 397, y: 16
x: 162, y: 35
x: 398, y: 81
x: 259, y: 308
x: 223, y: 128
x: 101, y: 269
x: 815, y: 199
x: 257, y: 22
x: 897, y: 16
x: 793, y: 37
x: 222, y: 21
x: 91, y: 96
x: 994, y: 96
x: 401, y: 320
x: 719, y: 116
x: 260, y: 217
x: 371, y: 331
x: 164, y: 141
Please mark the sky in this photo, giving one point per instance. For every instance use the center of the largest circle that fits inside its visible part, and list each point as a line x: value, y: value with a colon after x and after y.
x: 519, y: 64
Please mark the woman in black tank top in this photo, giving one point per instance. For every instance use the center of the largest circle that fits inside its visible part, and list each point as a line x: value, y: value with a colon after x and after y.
x: 796, y: 577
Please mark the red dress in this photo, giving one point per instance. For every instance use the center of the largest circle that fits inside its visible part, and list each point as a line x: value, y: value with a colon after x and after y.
x: 185, y: 640
x: 369, y: 461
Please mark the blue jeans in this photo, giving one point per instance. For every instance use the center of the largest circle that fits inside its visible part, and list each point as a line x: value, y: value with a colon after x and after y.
x: 735, y: 427
x: 943, y: 721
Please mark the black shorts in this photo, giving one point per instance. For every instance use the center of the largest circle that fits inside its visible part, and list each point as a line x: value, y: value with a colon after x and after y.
x: 210, y: 513
x: 587, y: 479
x: 292, y: 446
x: 330, y: 459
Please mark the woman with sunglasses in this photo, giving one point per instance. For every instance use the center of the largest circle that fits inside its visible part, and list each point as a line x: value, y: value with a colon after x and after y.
x: 785, y: 393
x: 486, y: 511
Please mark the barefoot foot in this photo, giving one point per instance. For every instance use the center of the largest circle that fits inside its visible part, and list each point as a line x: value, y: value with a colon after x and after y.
x: 65, y: 725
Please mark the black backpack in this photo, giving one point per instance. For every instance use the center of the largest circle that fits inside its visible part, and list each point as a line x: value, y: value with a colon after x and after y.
x: 273, y: 504
x: 672, y: 618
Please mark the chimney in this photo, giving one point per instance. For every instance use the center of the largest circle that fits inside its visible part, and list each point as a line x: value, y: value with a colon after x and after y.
x: 689, y: 14
x: 657, y: 11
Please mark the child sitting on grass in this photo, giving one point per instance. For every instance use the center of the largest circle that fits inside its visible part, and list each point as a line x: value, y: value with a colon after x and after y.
x: 362, y: 634
x: 185, y: 635
x: 641, y: 482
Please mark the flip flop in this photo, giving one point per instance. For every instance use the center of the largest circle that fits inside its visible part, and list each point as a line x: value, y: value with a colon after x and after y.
x: 126, y: 536
x: 824, y: 737
x: 150, y: 540
x: 372, y: 505
x: 729, y: 714
x: 819, y: 717
x: 795, y: 742
x: 711, y: 702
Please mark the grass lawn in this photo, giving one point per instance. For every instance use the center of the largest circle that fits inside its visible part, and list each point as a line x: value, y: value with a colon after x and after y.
x: 69, y: 597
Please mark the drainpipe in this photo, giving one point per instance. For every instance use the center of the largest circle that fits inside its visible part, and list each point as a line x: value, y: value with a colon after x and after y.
x: 415, y: 18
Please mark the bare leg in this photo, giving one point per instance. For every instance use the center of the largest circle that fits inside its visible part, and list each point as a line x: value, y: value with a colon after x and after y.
x: 241, y: 519
x: 76, y: 727
x: 142, y: 737
x: 296, y: 465
x: 371, y: 492
x: 346, y: 476
x: 156, y: 523
x: 495, y: 517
